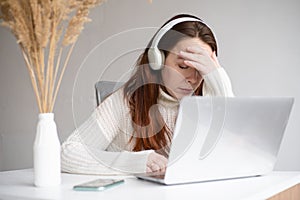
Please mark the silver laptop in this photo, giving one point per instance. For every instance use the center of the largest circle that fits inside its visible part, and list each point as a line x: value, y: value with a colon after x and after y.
x: 219, y: 138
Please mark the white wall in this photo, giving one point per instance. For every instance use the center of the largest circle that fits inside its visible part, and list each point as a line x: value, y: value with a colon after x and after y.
x: 258, y: 46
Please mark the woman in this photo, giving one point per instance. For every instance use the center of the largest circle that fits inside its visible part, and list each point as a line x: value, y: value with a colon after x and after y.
x: 131, y: 130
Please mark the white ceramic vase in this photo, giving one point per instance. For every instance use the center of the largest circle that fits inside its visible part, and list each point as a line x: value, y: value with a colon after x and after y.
x: 46, y: 152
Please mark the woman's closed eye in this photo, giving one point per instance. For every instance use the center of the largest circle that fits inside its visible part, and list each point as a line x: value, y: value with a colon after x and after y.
x: 183, y: 67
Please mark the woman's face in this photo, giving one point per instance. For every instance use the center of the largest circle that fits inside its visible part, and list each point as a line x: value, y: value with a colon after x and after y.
x: 179, y: 79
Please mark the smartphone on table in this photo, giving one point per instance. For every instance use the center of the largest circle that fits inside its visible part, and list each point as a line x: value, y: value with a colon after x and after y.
x: 98, y: 185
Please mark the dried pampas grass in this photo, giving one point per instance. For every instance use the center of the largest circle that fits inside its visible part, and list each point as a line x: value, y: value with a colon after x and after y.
x: 43, y: 29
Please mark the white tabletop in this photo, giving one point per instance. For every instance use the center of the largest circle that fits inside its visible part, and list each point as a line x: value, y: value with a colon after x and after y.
x: 19, y: 185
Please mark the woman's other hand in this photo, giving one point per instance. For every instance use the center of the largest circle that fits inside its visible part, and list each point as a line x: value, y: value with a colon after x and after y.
x: 156, y: 163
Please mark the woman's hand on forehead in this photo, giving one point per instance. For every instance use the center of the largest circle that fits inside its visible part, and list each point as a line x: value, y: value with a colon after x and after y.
x: 201, y: 58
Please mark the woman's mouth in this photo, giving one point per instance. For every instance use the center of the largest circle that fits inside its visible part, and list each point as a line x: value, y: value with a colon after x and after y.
x: 186, y: 90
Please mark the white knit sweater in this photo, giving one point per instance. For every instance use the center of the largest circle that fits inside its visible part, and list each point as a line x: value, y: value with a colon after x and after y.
x: 101, y: 144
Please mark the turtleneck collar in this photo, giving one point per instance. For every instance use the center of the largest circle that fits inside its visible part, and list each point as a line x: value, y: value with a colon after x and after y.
x: 166, y: 99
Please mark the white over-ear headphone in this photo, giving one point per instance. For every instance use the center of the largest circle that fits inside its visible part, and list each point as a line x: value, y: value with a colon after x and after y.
x: 156, y: 57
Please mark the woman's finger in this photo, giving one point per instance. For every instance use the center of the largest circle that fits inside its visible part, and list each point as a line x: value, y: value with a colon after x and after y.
x: 155, y: 167
x: 191, y: 56
x: 203, y: 70
x: 148, y: 170
x: 161, y: 165
x: 196, y: 49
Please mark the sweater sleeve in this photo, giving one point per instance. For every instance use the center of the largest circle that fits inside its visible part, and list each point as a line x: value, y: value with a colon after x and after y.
x: 217, y: 83
x: 85, y: 150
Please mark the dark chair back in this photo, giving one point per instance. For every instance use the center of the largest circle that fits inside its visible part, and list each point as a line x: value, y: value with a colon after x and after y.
x: 105, y: 88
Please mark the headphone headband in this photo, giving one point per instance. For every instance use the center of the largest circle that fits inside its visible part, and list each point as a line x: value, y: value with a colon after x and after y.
x: 155, y: 56
x: 168, y: 26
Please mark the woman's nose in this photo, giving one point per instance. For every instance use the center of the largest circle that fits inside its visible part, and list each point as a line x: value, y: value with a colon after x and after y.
x: 192, y: 76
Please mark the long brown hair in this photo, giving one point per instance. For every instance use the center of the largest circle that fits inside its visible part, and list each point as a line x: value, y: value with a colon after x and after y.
x: 142, y: 90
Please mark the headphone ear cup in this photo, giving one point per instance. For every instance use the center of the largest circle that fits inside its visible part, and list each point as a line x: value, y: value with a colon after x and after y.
x: 156, y: 58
